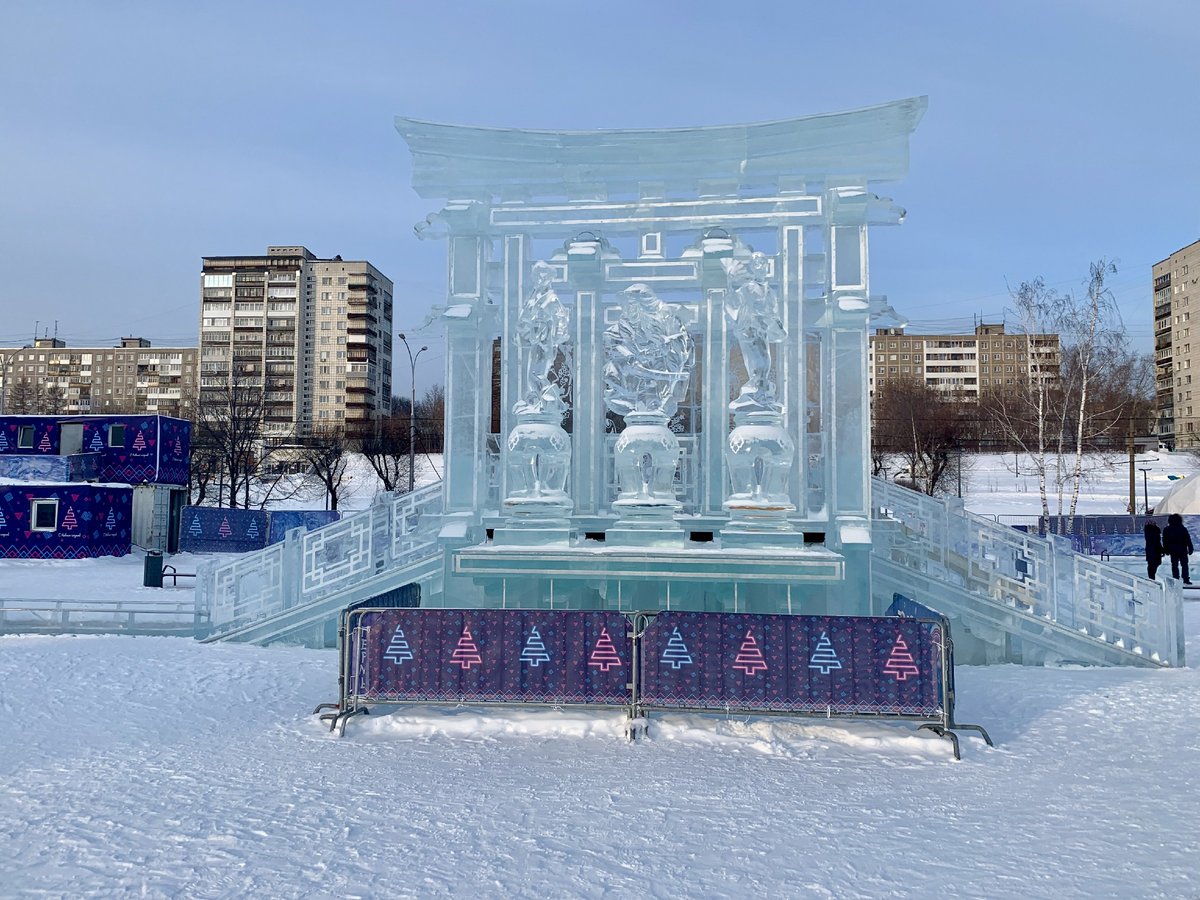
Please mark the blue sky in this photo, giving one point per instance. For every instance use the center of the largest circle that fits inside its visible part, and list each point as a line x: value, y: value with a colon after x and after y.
x: 137, y: 137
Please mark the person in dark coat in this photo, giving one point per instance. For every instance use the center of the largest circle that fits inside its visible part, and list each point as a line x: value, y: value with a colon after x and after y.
x: 1154, y: 547
x: 1177, y: 542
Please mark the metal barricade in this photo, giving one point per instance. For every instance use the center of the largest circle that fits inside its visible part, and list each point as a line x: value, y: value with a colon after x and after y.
x: 876, y: 667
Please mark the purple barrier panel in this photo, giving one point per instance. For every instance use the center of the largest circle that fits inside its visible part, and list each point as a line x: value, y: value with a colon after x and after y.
x: 826, y: 664
x: 491, y: 655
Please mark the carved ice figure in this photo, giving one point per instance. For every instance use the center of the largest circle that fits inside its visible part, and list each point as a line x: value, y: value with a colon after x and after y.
x: 542, y: 329
x: 539, y: 450
x: 648, y: 356
x: 752, y: 310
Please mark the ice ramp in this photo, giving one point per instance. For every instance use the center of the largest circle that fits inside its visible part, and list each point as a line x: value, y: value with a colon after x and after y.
x: 292, y: 592
x: 1017, y: 597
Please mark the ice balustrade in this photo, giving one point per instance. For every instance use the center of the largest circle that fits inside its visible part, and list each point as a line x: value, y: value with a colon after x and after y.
x: 1031, y: 575
x: 395, y: 532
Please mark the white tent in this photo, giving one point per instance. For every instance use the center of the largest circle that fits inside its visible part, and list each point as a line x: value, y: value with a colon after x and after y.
x: 1183, y: 498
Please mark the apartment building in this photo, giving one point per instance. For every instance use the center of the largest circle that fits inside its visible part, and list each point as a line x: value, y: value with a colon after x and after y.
x: 132, y: 377
x: 314, y: 334
x: 1176, y: 281
x: 968, y: 364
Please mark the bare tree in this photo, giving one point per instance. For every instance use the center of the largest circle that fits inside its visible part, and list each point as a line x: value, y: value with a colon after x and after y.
x: 230, y: 420
x: 386, y: 451
x: 431, y: 418
x: 923, y: 426
x: 204, y: 465
x: 1064, y: 407
x: 324, y: 452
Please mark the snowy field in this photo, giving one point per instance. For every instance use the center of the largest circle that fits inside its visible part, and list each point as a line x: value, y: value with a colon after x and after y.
x: 161, y: 767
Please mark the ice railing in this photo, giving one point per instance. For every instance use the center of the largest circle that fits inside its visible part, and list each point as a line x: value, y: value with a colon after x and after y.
x: 1039, y: 576
x: 395, y: 532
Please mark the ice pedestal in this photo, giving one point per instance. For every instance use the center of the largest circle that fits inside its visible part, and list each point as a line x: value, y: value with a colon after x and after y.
x: 646, y: 456
x: 537, y: 505
x: 758, y: 458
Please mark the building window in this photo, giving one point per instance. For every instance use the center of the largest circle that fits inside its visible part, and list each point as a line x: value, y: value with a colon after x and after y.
x: 43, y: 514
x: 25, y: 437
x: 116, y: 435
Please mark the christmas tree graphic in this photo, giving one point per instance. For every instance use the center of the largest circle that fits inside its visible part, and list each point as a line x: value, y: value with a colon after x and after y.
x: 3, y: 521
x: 535, y: 649
x: 44, y: 443
x: 225, y: 531
x: 398, y: 651
x: 900, y: 664
x: 69, y: 522
x: 824, y: 657
x: 194, y: 529
x: 139, y: 442
x: 750, y: 659
x: 179, y: 448
x: 676, y: 652
x: 97, y: 444
x: 252, y: 531
x: 466, y: 654
x: 3, y: 440
x: 604, y: 655
x: 110, y: 522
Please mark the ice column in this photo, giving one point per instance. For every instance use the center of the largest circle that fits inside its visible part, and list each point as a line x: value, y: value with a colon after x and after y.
x: 539, y: 450
x: 759, y: 454
x: 648, y: 358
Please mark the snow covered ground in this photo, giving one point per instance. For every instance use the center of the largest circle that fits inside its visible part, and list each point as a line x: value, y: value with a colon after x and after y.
x: 168, y: 768
x: 162, y: 767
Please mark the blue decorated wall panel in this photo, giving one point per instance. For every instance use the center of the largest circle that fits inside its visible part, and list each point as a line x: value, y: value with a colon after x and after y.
x: 284, y: 520
x: 206, y: 529
x: 90, y: 520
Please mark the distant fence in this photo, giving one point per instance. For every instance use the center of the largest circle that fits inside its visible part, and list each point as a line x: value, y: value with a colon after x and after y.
x: 209, y: 529
x: 879, y: 667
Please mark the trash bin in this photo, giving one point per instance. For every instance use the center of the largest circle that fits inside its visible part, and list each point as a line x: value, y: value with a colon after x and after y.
x: 152, y: 573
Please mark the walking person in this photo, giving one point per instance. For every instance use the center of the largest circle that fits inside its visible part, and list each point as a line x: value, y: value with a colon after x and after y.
x: 1177, y: 542
x: 1154, y: 547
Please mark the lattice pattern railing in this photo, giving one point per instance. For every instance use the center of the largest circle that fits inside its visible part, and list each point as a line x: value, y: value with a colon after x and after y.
x: 1039, y: 576
x: 394, y: 532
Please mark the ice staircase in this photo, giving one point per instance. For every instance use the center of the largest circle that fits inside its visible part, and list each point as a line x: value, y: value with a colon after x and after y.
x: 292, y: 592
x: 1017, y: 597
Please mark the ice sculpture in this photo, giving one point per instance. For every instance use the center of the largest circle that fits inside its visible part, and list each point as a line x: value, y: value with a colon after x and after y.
x: 648, y: 356
x: 539, y: 450
x: 669, y: 486
x: 541, y: 335
x: 760, y: 452
x: 752, y: 311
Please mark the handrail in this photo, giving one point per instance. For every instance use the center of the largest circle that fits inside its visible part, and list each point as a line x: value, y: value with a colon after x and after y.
x: 1039, y: 576
x: 394, y: 532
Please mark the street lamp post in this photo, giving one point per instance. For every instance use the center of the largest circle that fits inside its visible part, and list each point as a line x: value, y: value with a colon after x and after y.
x: 1145, y: 491
x: 4, y: 382
x: 412, y: 409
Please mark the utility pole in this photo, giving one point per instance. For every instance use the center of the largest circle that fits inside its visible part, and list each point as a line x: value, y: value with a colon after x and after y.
x: 412, y: 409
x: 1132, y: 473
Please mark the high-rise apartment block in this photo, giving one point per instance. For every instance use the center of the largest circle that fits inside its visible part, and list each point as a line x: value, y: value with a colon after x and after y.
x: 314, y: 334
x: 131, y: 378
x: 1176, y: 281
x: 970, y: 364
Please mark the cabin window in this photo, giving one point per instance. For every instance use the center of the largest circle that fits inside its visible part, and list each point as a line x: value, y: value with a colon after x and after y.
x: 25, y: 437
x: 116, y: 435
x: 44, y: 515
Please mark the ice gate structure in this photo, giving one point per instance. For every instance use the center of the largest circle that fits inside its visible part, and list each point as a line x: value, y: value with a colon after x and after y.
x: 656, y: 399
